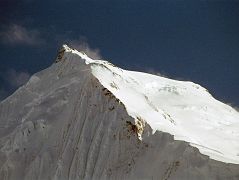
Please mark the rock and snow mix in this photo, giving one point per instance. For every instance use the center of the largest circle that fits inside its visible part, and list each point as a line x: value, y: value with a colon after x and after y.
x: 88, y: 119
x: 183, y: 109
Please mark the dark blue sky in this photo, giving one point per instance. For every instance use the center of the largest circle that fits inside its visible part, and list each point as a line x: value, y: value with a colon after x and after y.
x: 197, y: 41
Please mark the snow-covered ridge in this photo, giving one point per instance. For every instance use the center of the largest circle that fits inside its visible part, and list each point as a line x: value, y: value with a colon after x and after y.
x: 183, y: 109
x: 88, y: 119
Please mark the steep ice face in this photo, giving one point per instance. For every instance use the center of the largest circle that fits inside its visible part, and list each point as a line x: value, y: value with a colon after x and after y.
x: 183, y: 109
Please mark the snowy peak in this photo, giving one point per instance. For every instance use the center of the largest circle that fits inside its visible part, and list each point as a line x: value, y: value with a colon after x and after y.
x: 88, y: 119
x: 183, y: 109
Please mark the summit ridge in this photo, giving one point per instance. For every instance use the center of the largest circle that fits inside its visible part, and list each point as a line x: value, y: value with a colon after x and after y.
x: 82, y: 118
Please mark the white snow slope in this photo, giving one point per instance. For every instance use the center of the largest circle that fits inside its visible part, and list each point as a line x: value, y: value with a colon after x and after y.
x: 88, y: 119
x: 183, y: 109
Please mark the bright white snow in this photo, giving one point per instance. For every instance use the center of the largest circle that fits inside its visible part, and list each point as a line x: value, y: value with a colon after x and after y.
x: 183, y: 109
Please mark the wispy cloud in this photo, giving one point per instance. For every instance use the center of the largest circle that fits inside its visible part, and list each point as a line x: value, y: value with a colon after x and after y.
x: 233, y: 106
x: 163, y: 74
x: 17, y: 34
x: 3, y: 94
x: 154, y: 72
x: 79, y: 43
x: 82, y: 45
x: 12, y: 79
x: 16, y: 79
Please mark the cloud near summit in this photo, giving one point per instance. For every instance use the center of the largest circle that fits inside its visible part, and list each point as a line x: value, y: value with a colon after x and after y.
x: 82, y: 45
x: 16, y: 79
x: 13, y: 79
x: 16, y: 34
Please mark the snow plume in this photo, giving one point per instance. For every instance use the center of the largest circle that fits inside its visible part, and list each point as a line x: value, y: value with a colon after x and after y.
x: 82, y: 45
x: 16, y: 79
x: 233, y: 106
x: 236, y: 108
x: 154, y: 72
x: 17, y: 34
x: 164, y: 74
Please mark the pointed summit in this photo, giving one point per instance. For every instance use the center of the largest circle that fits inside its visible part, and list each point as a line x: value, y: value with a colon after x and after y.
x: 61, y: 52
x: 88, y: 119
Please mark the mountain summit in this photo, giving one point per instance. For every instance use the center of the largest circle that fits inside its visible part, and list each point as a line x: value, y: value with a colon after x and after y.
x: 88, y: 119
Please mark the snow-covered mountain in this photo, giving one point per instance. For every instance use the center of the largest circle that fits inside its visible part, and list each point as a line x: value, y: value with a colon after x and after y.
x: 88, y: 119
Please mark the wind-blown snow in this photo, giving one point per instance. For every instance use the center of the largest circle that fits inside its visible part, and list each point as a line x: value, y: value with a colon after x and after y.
x: 183, y: 109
